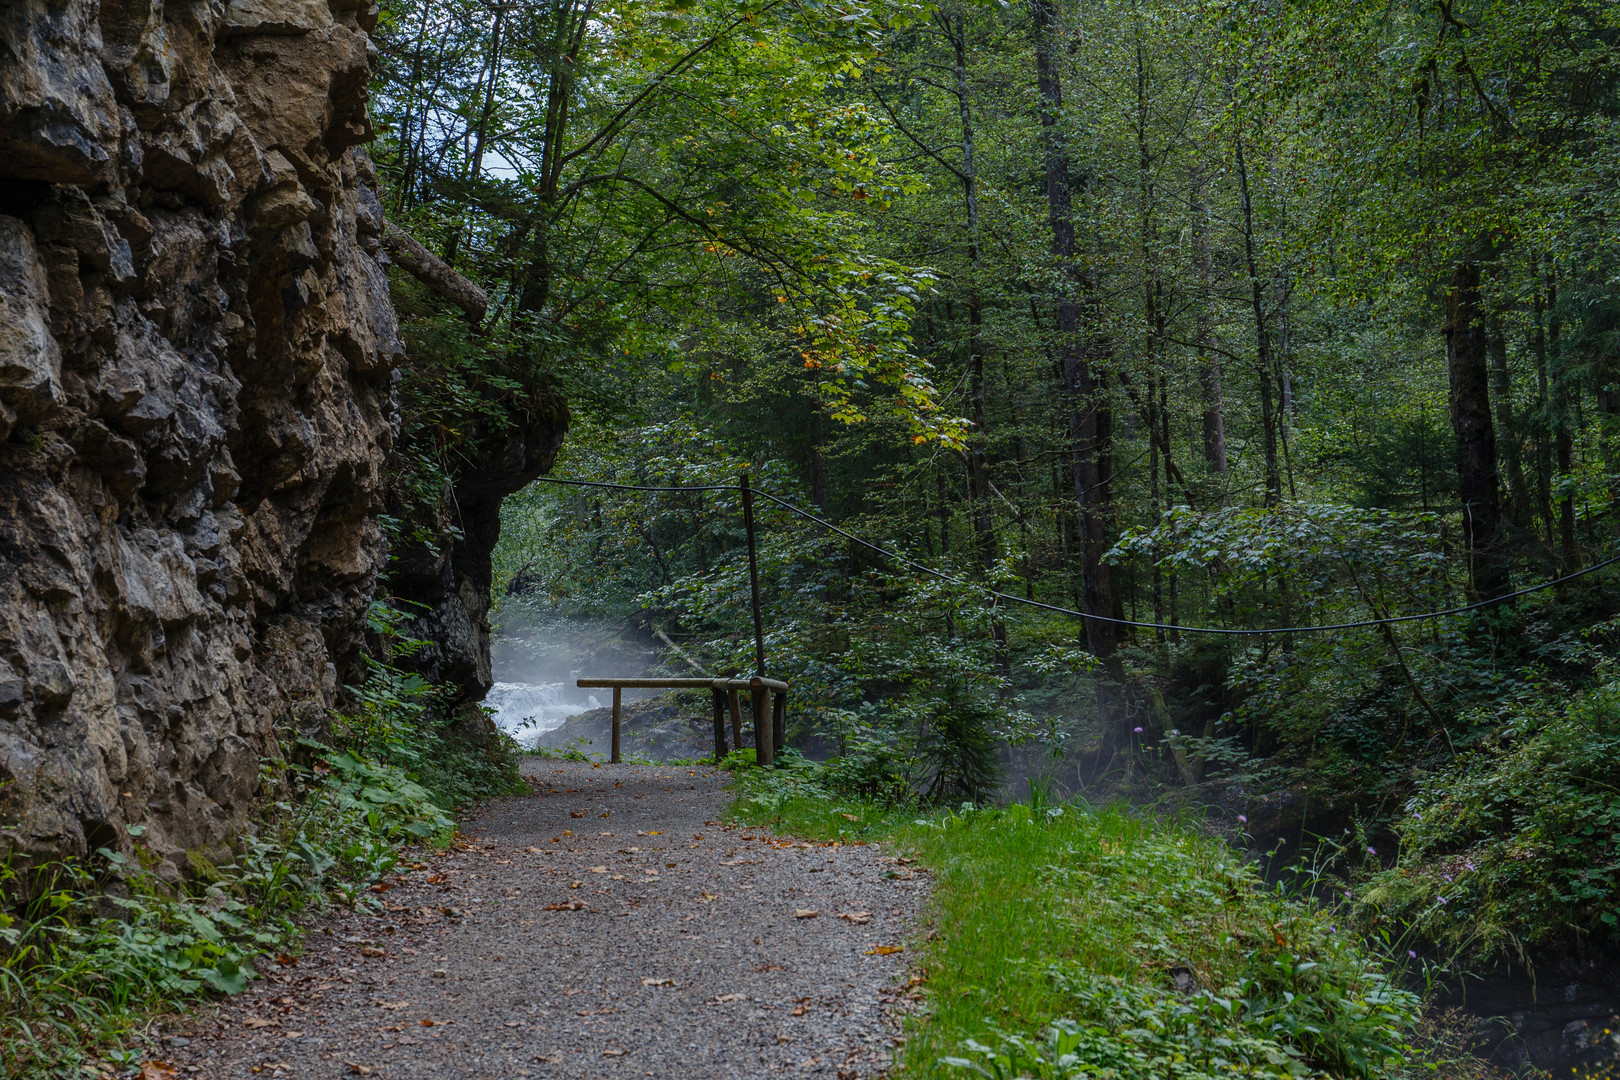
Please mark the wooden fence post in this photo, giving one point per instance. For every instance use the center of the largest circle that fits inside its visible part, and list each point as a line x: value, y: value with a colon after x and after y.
x: 778, y: 721
x: 763, y: 750
x: 736, y: 716
x: 719, y: 725
x: 618, y: 693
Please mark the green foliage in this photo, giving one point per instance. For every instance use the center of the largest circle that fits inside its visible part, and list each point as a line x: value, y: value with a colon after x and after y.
x: 871, y: 771
x: 1516, y: 843
x: 574, y: 751
x: 402, y: 720
x: 1059, y: 937
x: 958, y: 750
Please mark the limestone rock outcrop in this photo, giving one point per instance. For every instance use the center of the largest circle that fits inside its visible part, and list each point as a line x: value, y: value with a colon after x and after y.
x: 197, y: 356
x: 447, y: 584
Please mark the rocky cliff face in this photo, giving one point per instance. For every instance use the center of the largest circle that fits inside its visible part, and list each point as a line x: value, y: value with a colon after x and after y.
x: 196, y: 354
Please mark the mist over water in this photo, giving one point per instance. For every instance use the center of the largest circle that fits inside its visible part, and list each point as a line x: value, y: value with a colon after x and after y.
x: 537, y: 659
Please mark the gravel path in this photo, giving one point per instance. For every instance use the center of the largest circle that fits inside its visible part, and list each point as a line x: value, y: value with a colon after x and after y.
x: 603, y: 926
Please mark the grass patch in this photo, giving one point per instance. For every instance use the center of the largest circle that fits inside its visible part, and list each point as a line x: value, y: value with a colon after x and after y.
x: 1104, y: 941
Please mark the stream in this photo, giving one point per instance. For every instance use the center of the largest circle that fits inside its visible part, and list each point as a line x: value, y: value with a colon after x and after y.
x: 537, y: 660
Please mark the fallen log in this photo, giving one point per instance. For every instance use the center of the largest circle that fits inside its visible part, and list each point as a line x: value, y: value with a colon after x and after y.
x: 435, y: 273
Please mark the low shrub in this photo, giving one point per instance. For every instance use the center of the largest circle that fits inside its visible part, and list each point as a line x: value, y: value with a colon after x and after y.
x: 98, y: 944
x: 1517, y: 843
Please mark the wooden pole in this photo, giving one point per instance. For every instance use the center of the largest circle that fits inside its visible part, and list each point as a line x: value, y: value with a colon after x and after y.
x: 753, y: 575
x: 618, y: 694
x: 764, y: 754
x: 778, y: 721
x: 719, y: 726
x: 736, y: 716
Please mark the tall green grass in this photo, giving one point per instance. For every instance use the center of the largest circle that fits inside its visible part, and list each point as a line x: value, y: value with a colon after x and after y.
x: 1106, y: 941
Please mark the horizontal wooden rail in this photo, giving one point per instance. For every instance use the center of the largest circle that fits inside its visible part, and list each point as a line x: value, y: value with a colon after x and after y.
x: 769, y: 698
x: 683, y: 684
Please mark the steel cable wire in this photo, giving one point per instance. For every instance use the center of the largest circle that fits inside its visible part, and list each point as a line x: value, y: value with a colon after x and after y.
x: 954, y: 580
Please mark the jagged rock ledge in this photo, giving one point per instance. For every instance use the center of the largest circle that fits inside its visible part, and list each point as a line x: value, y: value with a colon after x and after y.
x: 197, y: 357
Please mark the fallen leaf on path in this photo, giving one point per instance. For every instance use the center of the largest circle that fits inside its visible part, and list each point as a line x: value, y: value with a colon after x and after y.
x: 532, y: 850
x: 576, y: 813
x: 859, y: 918
x: 612, y: 1053
x: 371, y: 950
x: 657, y: 982
x: 358, y: 1069
x: 572, y: 905
x: 392, y: 1004
x: 655, y: 832
x: 598, y: 869
x: 395, y: 1027
x: 575, y: 884
x: 382, y: 886
x: 427, y: 1023
x: 708, y: 896
x: 723, y: 998
x: 885, y: 950
x: 256, y: 1022
x: 805, y: 913
x: 157, y: 1070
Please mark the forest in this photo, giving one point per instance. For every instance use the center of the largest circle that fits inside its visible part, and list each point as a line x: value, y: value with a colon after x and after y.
x: 1249, y: 334
x: 1288, y: 320
x: 1185, y: 448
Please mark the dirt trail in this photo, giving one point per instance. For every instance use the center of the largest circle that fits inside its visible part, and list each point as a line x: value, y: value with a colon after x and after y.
x: 603, y: 926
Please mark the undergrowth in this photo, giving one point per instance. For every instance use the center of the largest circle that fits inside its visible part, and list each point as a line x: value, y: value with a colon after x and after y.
x: 91, y: 949
x: 1072, y: 940
x: 1516, y: 844
x: 99, y: 945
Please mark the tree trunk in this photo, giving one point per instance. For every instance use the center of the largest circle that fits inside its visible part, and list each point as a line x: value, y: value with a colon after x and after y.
x: 480, y: 131
x: 1467, y: 355
x: 1538, y: 345
x: 1078, y: 347
x: 1264, y: 361
x: 1569, y: 556
x: 1209, y: 365
x: 1512, y: 458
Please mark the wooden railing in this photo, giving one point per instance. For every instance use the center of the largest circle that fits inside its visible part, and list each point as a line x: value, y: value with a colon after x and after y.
x: 769, y: 703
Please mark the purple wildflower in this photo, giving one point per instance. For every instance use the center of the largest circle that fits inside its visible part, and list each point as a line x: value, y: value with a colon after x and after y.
x: 1139, y: 731
x: 1243, y: 819
x: 1372, y: 851
x: 1412, y: 953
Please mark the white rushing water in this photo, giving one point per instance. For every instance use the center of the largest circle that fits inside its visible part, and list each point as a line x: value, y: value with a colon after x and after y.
x: 527, y: 711
x: 538, y: 661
